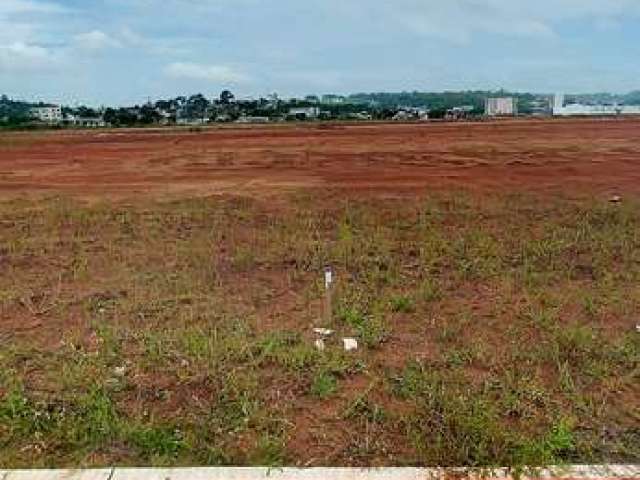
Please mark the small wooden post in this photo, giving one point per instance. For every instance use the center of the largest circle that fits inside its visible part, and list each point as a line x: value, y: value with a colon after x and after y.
x: 328, y: 290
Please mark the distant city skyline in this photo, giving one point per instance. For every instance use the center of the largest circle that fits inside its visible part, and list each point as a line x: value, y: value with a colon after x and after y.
x: 121, y: 52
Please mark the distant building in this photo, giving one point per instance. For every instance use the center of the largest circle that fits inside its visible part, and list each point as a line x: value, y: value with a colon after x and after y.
x: 411, y: 113
x: 253, y: 119
x: 51, y: 114
x: 304, y: 113
x: 186, y: 117
x: 87, y: 122
x: 578, y: 109
x: 541, y: 106
x: 459, y: 113
x: 558, y: 103
x: 501, y: 107
x: 192, y: 121
x: 331, y: 99
x: 166, y: 117
x: 359, y: 116
x: 223, y: 118
x: 402, y: 115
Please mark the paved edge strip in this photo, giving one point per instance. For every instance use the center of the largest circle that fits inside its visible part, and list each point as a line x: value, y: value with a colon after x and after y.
x: 578, y: 472
x: 97, y: 474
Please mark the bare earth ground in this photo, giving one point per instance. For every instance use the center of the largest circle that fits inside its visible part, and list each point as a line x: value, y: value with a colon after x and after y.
x: 588, y: 155
x: 158, y: 290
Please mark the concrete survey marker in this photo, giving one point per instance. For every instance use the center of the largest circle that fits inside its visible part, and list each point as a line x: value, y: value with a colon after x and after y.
x: 611, y: 472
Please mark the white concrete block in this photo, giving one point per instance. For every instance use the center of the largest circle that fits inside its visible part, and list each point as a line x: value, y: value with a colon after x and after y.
x: 350, y: 344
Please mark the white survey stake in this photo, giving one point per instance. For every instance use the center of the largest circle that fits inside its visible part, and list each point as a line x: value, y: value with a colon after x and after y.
x: 328, y: 277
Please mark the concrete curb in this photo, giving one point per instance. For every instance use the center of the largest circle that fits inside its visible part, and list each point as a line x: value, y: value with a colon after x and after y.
x: 577, y: 472
x: 103, y: 474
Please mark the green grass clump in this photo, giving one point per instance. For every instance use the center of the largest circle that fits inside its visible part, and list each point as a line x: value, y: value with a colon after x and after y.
x: 157, y: 442
x: 402, y: 304
x: 324, y: 385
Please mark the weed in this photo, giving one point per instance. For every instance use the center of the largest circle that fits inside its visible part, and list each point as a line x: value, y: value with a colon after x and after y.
x: 554, y: 448
x: 99, y: 420
x: 449, y: 330
x: 371, y: 329
x: 461, y: 356
x: 24, y: 418
x: 288, y: 350
x: 521, y: 396
x: 367, y: 410
x: 430, y: 290
x: 402, y: 304
x: 324, y: 385
x: 591, y: 306
x: 154, y: 441
x: 269, y: 451
x: 476, y: 255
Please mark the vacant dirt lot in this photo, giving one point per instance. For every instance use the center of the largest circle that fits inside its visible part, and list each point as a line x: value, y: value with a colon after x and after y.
x: 578, y: 155
x: 492, y: 287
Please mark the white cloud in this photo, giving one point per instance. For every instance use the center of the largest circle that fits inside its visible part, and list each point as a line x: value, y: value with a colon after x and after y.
x: 132, y: 37
x: 18, y: 19
x: 314, y: 79
x: 328, y: 45
x: 212, y: 73
x: 96, y: 40
x: 459, y: 21
x: 10, y: 7
x: 22, y: 34
x: 22, y: 57
x: 156, y: 46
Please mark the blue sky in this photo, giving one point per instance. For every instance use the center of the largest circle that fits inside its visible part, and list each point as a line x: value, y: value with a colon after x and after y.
x: 123, y: 51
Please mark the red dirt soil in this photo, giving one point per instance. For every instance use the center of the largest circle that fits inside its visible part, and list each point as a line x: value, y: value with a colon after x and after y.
x: 589, y: 156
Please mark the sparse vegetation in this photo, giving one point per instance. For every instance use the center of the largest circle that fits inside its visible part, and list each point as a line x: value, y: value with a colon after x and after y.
x: 493, y: 330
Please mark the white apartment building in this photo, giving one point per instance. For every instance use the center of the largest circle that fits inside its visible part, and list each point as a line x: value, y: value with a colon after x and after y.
x: 48, y: 113
x: 501, y: 106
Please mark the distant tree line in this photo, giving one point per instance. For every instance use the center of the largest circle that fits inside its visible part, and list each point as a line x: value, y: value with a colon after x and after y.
x: 440, y: 100
x: 13, y: 113
x: 227, y: 108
